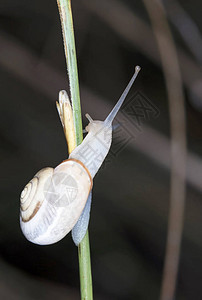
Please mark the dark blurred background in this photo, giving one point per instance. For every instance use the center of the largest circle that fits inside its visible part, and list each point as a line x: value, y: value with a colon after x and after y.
x: 130, y: 207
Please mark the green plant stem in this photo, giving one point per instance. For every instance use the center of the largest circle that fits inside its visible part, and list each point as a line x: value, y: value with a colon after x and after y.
x: 85, y: 269
x: 70, y: 53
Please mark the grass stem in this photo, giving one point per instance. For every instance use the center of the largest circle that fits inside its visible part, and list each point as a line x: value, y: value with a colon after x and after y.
x: 70, y: 54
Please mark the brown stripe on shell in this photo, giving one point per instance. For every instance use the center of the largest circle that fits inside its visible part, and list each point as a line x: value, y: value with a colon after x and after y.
x: 87, y: 171
x: 34, y: 212
x: 31, y: 183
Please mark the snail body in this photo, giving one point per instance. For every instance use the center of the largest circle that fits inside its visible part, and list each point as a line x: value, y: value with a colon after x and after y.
x: 81, y: 226
x: 52, y: 202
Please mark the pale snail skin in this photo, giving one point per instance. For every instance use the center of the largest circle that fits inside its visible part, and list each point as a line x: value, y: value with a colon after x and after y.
x: 81, y: 226
x: 50, y: 204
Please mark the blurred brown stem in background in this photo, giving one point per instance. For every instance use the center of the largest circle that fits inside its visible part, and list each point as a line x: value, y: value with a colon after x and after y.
x: 186, y: 26
x: 178, y: 144
x: 128, y: 25
x: 123, y: 21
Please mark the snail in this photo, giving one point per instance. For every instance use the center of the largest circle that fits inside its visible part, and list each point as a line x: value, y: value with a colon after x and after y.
x: 54, y: 200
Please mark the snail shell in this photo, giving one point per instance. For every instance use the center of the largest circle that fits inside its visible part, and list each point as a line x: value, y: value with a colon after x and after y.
x: 53, y: 200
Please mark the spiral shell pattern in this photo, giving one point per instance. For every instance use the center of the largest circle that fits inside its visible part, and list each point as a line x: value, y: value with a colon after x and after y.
x: 32, y: 196
x: 52, y: 202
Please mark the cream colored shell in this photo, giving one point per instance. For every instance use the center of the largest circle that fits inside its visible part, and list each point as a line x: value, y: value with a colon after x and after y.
x: 53, y: 200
